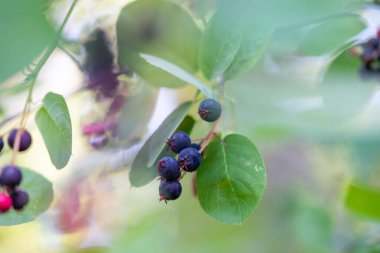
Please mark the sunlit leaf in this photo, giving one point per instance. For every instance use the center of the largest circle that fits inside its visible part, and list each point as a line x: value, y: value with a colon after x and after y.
x: 53, y: 121
x: 231, y: 180
x: 159, y: 28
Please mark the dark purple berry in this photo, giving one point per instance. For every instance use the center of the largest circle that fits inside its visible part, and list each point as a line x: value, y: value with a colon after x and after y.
x: 170, y: 190
x: 25, y: 140
x: 19, y: 199
x: 11, y: 176
x: 196, y: 146
x: 178, y: 142
x: 1, y: 143
x: 189, y: 159
x: 209, y: 110
x: 168, y: 168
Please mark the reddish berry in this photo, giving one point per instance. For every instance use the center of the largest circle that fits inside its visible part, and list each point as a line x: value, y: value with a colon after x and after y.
x: 5, y: 202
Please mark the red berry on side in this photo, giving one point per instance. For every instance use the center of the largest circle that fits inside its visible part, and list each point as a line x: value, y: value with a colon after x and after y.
x: 5, y: 202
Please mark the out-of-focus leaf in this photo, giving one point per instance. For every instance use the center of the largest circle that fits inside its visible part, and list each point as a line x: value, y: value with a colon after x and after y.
x: 25, y: 32
x: 231, y: 180
x: 363, y: 200
x: 178, y: 72
x: 162, y: 29
x: 137, y: 111
x: 332, y: 34
x: 40, y: 197
x: 54, y: 122
x: 144, y: 167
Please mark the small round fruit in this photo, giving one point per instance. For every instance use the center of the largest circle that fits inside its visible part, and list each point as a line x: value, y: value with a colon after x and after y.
x: 5, y: 202
x: 168, y: 168
x: 1, y: 143
x: 19, y: 199
x: 98, y: 141
x: 196, y: 146
x: 209, y: 110
x: 170, y: 190
x: 178, y: 142
x: 25, y: 140
x: 189, y: 159
x: 10, y: 176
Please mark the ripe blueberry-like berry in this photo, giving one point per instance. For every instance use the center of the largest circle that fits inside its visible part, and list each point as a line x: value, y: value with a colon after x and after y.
x: 25, y: 140
x: 170, y: 190
x: 168, y: 168
x: 1, y: 143
x: 11, y: 176
x: 189, y: 159
x: 209, y: 110
x: 196, y: 146
x: 19, y: 199
x: 5, y: 202
x: 178, y: 142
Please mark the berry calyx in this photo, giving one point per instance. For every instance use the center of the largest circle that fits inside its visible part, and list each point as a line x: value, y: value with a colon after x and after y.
x: 170, y: 190
x: 1, y: 143
x: 10, y: 176
x: 19, y: 199
x: 168, y: 168
x: 209, y: 110
x: 189, y: 159
x: 5, y: 202
x: 178, y: 142
x: 25, y: 140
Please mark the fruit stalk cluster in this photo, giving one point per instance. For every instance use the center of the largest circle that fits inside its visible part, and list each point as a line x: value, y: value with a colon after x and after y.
x: 170, y: 169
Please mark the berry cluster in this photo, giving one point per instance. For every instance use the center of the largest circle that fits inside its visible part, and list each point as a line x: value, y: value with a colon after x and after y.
x: 11, y: 175
x: 189, y: 154
x: 369, y: 53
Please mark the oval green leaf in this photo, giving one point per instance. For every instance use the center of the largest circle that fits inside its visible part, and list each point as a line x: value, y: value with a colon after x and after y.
x: 162, y: 29
x: 54, y: 122
x: 40, y: 192
x: 231, y: 180
x: 143, y: 168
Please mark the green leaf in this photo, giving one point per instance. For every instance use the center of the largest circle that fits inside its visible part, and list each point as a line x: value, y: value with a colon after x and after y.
x: 162, y: 29
x: 220, y: 43
x: 143, y: 168
x: 252, y: 46
x: 178, y: 72
x: 332, y: 34
x: 53, y: 121
x: 231, y: 180
x: 363, y: 200
x: 231, y: 45
x: 136, y: 112
x: 40, y: 197
x: 25, y: 33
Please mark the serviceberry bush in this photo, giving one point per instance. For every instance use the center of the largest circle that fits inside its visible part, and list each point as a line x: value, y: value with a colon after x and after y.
x: 204, y: 51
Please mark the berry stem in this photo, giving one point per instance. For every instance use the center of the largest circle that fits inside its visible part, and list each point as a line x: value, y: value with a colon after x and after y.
x: 32, y: 77
x: 209, y: 136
